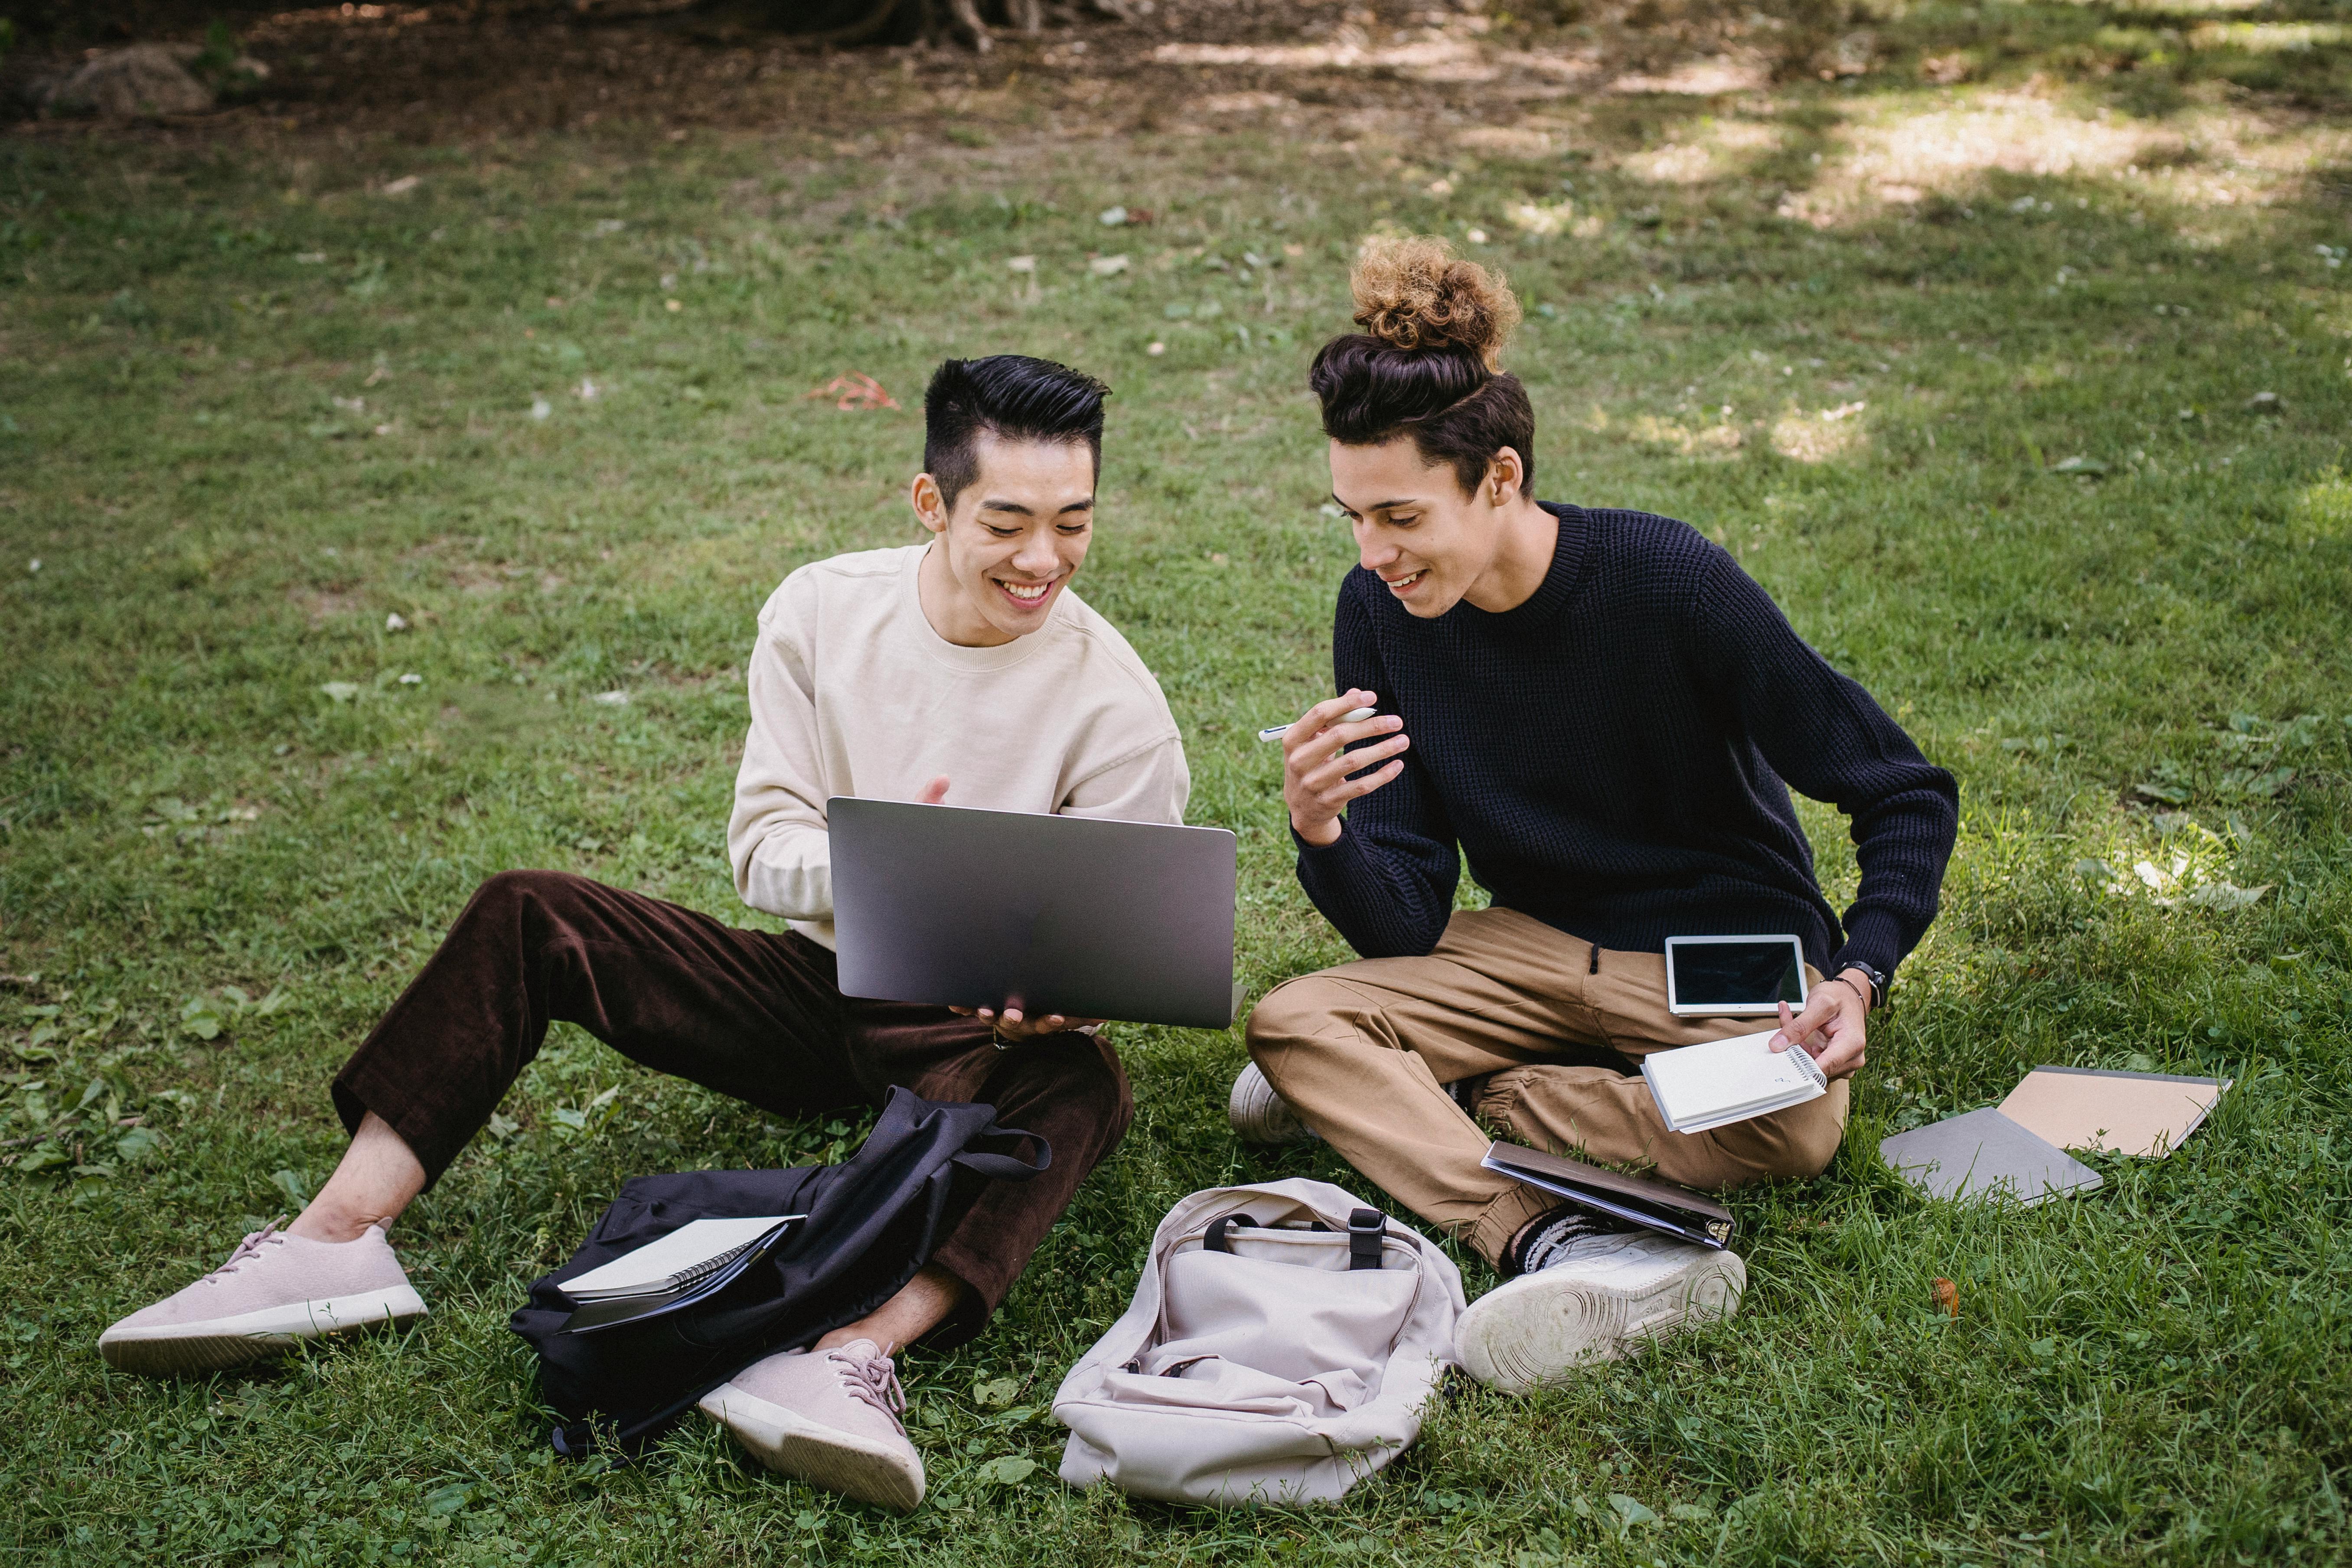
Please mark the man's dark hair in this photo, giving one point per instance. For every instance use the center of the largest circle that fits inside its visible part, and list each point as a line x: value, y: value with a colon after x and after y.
x: 1426, y: 365
x: 1014, y: 397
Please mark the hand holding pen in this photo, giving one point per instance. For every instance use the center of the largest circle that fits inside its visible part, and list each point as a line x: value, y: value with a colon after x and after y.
x: 1316, y: 763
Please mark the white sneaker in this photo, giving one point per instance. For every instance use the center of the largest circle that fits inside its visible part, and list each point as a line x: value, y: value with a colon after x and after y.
x: 1262, y: 1116
x: 826, y: 1418
x: 274, y: 1290
x: 1594, y: 1295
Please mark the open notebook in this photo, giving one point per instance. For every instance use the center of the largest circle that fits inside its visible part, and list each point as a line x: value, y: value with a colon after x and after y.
x: 1723, y: 1081
x: 690, y: 1253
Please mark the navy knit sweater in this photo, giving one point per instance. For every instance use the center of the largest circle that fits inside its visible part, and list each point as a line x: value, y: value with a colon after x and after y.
x: 1610, y: 757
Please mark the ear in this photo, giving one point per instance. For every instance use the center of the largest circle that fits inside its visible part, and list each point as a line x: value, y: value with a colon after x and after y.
x: 930, y: 506
x: 1505, y: 477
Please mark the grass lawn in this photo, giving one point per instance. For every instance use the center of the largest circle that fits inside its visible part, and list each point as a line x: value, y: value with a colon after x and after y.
x: 2044, y: 447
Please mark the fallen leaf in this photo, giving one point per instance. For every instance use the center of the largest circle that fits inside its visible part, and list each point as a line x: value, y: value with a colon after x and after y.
x: 2227, y: 896
x: 855, y: 391
x: 1948, y: 1298
x: 401, y: 186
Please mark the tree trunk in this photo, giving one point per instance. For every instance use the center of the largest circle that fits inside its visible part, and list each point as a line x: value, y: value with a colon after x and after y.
x: 963, y: 21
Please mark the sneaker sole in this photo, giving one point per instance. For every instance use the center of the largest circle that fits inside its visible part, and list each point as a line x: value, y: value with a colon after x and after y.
x: 792, y: 1444
x: 1534, y: 1332
x: 180, y: 1349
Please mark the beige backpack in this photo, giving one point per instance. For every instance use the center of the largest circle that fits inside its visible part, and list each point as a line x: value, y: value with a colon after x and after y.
x: 1274, y: 1352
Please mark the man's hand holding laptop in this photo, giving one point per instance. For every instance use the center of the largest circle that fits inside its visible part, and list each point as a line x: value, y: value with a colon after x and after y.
x: 1011, y: 1026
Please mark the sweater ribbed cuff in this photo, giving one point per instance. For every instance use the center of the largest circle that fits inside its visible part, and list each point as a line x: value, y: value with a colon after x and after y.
x: 1874, y: 938
x: 1320, y: 851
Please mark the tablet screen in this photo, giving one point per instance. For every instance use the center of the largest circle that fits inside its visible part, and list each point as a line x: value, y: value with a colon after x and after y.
x: 1738, y: 974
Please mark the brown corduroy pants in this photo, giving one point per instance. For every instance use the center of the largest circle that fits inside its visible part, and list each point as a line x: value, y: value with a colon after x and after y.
x: 753, y: 1015
x: 1363, y: 1053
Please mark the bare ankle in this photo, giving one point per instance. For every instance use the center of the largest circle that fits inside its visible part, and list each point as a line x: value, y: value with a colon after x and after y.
x: 320, y: 1223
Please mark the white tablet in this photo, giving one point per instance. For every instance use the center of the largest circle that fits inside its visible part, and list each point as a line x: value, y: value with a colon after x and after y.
x: 1733, y: 976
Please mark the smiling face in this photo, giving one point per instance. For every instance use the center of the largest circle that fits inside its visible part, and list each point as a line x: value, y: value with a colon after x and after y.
x: 1432, y: 544
x: 1013, y: 537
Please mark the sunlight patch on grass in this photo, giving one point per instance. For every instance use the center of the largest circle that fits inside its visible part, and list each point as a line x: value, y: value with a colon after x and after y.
x: 1820, y: 436
x: 2204, y: 157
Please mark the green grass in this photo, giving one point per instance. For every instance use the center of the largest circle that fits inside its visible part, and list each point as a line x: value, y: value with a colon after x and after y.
x: 2141, y: 657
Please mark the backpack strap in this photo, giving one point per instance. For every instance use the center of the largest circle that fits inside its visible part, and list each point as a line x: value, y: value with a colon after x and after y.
x: 1366, y: 1227
x: 1214, y: 1239
x: 1004, y: 1167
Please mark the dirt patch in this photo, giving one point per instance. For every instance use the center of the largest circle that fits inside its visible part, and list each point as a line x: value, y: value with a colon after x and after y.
x: 321, y: 605
x: 463, y: 71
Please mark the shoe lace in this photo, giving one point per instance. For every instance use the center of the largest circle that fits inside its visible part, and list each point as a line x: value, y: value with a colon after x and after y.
x: 250, y: 1247
x: 874, y: 1379
x: 1559, y: 1238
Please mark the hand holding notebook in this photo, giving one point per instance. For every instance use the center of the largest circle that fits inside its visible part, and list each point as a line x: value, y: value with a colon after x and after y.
x: 1718, y: 1082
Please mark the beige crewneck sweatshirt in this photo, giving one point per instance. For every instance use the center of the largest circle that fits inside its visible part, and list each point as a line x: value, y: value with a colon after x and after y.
x: 853, y: 693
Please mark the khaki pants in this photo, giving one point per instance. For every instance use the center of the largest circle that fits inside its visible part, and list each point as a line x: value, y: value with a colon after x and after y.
x: 1362, y: 1052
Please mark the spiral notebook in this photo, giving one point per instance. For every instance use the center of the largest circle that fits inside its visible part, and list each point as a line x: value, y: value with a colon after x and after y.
x: 1718, y: 1082
x: 691, y: 1252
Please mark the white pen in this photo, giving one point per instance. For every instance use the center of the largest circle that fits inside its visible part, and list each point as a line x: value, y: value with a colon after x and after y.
x: 1353, y: 715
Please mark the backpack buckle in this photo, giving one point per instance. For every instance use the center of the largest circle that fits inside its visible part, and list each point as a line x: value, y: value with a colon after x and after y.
x: 1366, y: 1227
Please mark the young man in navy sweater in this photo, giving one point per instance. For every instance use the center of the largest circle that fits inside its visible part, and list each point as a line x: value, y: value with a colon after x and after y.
x: 1604, y: 714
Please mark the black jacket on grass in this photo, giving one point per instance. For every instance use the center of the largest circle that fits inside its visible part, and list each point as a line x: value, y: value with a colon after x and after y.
x: 1615, y: 758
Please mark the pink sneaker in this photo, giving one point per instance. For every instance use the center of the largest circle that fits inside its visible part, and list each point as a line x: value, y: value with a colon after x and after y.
x: 826, y: 1418
x: 274, y: 1289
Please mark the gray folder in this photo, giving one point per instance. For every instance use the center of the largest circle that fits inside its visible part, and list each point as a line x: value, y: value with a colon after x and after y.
x: 1983, y: 1154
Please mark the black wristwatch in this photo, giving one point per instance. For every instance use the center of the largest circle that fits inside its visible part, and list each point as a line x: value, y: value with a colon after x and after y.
x: 1881, y: 983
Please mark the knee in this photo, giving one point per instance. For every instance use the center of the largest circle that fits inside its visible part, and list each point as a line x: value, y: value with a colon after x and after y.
x: 517, y: 893
x: 1294, y: 1011
x: 1807, y: 1140
x: 1813, y: 1146
x: 1081, y: 1076
x: 1100, y: 1085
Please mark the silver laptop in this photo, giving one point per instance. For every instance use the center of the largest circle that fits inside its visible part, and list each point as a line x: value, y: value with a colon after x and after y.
x: 1074, y: 915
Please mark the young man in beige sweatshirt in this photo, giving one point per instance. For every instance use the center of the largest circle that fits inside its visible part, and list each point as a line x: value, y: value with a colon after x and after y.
x: 962, y: 668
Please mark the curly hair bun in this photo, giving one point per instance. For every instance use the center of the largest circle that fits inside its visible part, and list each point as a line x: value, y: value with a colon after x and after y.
x: 1414, y: 293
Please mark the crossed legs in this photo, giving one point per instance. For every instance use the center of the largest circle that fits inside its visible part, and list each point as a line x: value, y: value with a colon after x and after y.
x: 1363, y: 1052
